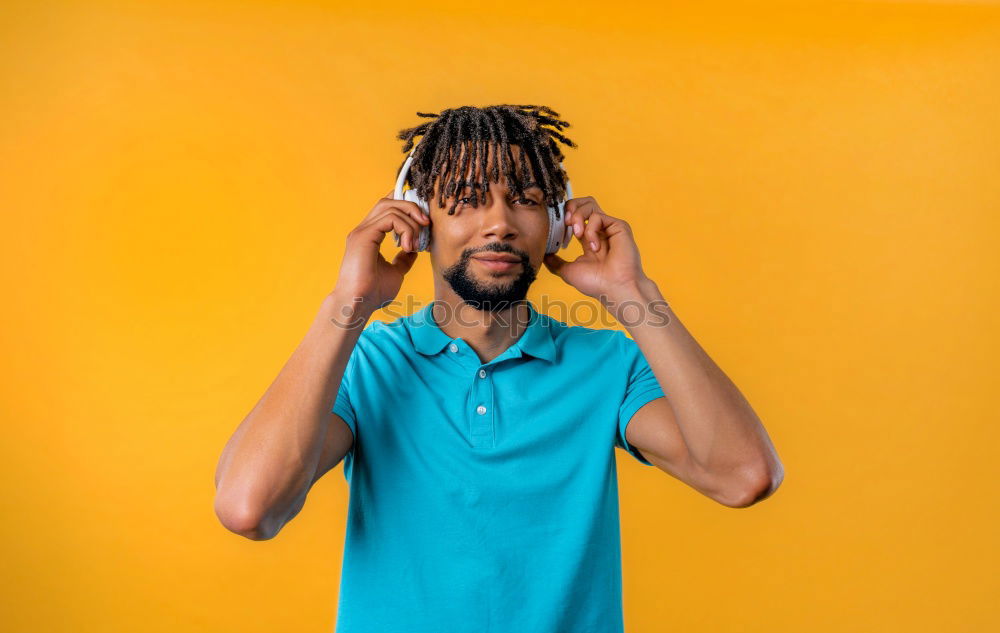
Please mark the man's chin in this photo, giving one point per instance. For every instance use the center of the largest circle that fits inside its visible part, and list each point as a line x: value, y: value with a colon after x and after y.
x: 488, y: 292
x: 500, y: 283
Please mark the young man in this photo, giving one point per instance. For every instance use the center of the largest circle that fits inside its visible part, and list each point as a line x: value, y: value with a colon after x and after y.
x: 478, y: 434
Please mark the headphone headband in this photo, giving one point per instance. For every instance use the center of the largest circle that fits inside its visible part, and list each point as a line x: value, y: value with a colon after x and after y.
x: 403, y: 171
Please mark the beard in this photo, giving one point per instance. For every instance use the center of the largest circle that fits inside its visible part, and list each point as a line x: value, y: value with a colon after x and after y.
x: 496, y: 295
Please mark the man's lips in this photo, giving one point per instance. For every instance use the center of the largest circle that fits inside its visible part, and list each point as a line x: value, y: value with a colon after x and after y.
x: 498, y: 262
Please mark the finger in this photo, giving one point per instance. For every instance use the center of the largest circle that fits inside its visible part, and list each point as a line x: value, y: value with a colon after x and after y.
x: 405, y: 217
x: 580, y: 227
x: 409, y: 208
x: 603, y: 242
x: 576, y: 203
x: 592, y: 235
x: 614, y: 231
x: 400, y: 223
x: 577, y: 211
x: 407, y: 240
x: 406, y: 206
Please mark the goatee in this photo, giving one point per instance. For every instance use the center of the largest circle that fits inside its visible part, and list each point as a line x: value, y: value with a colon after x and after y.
x: 490, y: 297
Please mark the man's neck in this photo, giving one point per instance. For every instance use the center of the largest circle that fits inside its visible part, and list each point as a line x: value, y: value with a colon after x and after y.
x: 488, y: 333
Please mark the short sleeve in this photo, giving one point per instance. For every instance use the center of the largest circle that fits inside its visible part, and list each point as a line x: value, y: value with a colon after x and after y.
x: 641, y: 387
x: 344, y: 406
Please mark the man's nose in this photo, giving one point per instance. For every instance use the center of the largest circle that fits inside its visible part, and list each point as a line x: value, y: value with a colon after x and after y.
x: 498, y: 219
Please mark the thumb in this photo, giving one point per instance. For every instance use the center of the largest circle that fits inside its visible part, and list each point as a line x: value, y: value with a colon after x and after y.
x: 403, y: 261
x: 554, y: 263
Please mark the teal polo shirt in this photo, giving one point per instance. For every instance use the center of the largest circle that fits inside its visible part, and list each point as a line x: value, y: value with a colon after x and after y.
x: 484, y: 496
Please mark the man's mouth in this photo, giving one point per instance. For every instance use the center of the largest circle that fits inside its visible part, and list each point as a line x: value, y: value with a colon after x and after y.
x: 498, y: 261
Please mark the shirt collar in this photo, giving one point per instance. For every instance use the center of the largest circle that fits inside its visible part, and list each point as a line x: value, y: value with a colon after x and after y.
x: 536, y: 340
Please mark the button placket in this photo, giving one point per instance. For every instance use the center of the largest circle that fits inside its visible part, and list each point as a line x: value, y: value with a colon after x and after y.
x: 481, y: 425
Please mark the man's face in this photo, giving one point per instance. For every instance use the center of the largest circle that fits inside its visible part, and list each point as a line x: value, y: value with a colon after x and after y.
x: 469, y: 244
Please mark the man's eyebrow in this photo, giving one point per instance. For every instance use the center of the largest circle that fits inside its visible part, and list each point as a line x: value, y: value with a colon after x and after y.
x: 464, y: 184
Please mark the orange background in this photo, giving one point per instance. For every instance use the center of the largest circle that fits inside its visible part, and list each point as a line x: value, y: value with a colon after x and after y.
x: 814, y: 187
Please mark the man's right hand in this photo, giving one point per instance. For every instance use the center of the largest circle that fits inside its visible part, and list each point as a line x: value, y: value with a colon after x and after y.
x: 365, y: 274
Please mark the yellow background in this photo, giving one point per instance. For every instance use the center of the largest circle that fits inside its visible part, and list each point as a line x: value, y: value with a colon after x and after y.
x: 813, y: 186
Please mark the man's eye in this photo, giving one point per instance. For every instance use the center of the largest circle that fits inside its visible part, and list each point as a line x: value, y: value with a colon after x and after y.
x: 527, y: 201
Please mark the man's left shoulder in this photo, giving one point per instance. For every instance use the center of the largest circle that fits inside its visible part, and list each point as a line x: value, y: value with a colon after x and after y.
x: 599, y: 342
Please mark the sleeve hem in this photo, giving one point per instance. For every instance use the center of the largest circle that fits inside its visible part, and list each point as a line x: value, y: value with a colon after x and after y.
x: 347, y: 416
x: 628, y: 411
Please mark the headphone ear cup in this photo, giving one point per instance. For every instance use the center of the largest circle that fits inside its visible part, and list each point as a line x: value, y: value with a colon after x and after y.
x: 559, y: 231
x: 552, y: 243
x: 567, y: 228
x: 424, y: 234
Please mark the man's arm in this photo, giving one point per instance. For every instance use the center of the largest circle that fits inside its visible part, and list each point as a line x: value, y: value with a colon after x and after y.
x: 704, y: 432
x: 337, y: 442
x: 291, y: 437
x: 276, y: 454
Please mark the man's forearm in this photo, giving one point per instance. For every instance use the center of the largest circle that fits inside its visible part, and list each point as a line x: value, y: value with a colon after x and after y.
x: 270, y: 461
x: 720, y: 429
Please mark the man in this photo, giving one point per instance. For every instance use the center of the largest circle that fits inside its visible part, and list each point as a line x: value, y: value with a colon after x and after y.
x: 478, y: 434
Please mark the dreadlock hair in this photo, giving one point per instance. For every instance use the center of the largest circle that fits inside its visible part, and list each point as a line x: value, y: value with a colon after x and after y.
x: 460, y: 136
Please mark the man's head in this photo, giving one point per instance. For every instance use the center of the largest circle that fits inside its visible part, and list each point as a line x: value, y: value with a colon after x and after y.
x: 489, y: 174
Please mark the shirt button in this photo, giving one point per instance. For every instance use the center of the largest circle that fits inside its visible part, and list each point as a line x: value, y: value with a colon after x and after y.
x: 480, y: 409
x: 453, y: 347
x: 482, y: 373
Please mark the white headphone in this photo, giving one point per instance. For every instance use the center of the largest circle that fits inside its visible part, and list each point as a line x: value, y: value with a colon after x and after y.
x: 559, y: 232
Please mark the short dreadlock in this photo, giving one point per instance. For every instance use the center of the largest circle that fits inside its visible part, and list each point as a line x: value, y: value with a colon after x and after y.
x: 447, y: 142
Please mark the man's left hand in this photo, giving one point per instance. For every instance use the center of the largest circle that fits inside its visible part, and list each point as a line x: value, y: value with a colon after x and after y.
x: 609, y: 265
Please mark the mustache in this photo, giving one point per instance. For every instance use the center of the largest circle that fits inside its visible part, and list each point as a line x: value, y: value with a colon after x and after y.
x: 495, y: 247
